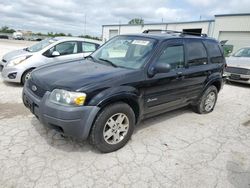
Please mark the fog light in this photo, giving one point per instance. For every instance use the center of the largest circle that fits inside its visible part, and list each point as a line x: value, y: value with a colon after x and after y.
x: 12, y: 75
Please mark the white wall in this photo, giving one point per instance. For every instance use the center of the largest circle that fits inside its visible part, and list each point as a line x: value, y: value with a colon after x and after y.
x: 234, y: 28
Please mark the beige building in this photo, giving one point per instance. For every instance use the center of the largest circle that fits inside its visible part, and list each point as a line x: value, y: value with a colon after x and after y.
x: 232, y: 27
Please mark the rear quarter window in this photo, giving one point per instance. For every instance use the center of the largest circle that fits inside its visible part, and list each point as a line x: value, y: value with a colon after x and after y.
x: 214, y: 51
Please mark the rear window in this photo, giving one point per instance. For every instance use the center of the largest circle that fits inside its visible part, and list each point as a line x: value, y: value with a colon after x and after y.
x: 214, y: 51
x: 196, y: 52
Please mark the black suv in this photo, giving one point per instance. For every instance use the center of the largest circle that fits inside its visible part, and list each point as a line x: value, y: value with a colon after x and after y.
x: 129, y: 78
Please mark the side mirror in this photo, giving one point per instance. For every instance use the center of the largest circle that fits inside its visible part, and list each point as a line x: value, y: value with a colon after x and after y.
x: 55, y: 53
x: 159, y: 68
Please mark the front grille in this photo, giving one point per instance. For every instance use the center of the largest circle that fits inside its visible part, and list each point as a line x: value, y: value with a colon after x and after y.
x: 237, y: 70
x: 39, y: 91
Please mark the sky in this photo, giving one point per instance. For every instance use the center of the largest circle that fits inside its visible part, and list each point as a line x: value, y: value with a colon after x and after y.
x: 68, y: 16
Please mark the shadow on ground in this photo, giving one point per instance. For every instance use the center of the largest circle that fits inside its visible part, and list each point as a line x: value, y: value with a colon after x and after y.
x: 68, y: 144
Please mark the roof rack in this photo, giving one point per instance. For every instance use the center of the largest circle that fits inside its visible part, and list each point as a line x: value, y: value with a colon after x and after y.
x: 172, y: 31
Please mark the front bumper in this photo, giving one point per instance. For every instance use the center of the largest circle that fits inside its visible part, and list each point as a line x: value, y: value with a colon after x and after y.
x: 71, y: 121
x: 12, y: 74
x: 241, y: 78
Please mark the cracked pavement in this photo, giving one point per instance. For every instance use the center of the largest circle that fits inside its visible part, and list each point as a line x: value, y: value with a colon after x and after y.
x: 176, y: 149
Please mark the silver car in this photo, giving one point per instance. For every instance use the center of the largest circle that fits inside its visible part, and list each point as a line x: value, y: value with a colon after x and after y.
x: 17, y: 65
x: 238, y: 66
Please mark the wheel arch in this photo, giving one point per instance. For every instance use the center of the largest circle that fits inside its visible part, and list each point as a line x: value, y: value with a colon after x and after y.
x: 125, y: 98
x: 31, y: 68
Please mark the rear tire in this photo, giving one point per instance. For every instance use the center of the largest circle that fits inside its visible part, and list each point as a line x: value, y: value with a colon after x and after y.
x: 113, y: 127
x: 26, y: 76
x: 207, y: 101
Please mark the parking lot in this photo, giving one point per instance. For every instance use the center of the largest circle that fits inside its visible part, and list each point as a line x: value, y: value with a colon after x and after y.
x: 176, y: 149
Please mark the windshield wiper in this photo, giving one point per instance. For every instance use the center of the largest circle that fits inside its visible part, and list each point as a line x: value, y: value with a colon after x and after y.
x: 109, y: 62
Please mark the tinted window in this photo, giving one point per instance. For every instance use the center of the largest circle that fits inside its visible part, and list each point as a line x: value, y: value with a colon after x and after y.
x: 174, y: 56
x: 196, y: 52
x: 66, y: 48
x: 88, y: 47
x: 214, y: 52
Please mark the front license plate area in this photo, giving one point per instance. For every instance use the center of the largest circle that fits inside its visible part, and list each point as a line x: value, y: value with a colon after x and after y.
x: 235, y: 76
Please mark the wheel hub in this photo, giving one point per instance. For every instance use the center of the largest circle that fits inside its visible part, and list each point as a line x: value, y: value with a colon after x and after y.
x: 116, y: 128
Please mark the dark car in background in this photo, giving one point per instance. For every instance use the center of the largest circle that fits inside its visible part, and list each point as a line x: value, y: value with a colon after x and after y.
x: 130, y: 78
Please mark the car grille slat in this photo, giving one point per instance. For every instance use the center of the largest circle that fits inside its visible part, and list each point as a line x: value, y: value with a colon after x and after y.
x: 237, y: 70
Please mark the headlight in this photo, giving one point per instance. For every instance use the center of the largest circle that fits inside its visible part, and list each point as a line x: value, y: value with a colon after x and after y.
x: 17, y: 61
x: 69, y: 98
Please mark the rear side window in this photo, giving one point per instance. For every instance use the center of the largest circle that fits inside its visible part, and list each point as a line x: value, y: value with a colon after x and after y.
x: 174, y: 56
x: 214, y: 51
x: 196, y: 53
x: 89, y: 47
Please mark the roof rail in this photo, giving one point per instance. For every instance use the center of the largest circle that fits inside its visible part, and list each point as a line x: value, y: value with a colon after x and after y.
x: 172, y: 31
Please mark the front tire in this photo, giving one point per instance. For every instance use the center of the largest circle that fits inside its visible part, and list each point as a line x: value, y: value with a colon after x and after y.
x: 113, y: 127
x: 26, y: 76
x: 207, y: 101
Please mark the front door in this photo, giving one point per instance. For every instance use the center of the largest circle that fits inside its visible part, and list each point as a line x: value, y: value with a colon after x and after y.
x: 165, y: 91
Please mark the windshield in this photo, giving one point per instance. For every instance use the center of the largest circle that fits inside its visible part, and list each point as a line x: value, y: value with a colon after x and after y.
x: 125, y: 51
x: 41, y: 45
x: 244, y: 52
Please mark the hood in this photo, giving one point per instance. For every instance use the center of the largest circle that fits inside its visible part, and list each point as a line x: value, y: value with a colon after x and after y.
x: 241, y: 62
x: 78, y: 75
x: 16, y: 53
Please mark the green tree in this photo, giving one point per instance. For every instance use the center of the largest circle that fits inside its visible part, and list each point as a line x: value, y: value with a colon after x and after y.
x: 6, y: 29
x: 136, y: 21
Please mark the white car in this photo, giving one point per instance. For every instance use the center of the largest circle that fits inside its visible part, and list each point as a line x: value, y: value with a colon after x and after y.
x: 238, y: 66
x: 17, y: 65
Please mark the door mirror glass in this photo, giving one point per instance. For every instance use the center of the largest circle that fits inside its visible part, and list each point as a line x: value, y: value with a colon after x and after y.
x: 55, y: 53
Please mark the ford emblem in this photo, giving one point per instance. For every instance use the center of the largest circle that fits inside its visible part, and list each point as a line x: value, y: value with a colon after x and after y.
x: 34, y: 88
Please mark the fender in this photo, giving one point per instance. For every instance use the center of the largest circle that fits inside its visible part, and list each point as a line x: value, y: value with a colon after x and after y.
x: 121, y: 93
x: 214, y: 78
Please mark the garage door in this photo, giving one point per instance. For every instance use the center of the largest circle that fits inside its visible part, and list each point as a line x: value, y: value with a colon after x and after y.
x: 237, y: 39
x: 112, y: 33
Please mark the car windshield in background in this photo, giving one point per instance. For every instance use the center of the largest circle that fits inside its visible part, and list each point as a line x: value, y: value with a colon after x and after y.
x: 125, y: 51
x: 244, y: 52
x: 41, y: 45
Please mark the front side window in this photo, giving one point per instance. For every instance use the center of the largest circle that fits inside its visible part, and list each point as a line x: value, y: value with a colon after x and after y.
x: 125, y: 51
x: 41, y: 45
x: 244, y: 52
x: 196, y: 53
x: 89, y: 47
x: 173, y: 55
x: 66, y: 48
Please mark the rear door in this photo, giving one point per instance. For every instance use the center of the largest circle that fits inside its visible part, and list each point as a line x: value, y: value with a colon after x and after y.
x: 199, y: 67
